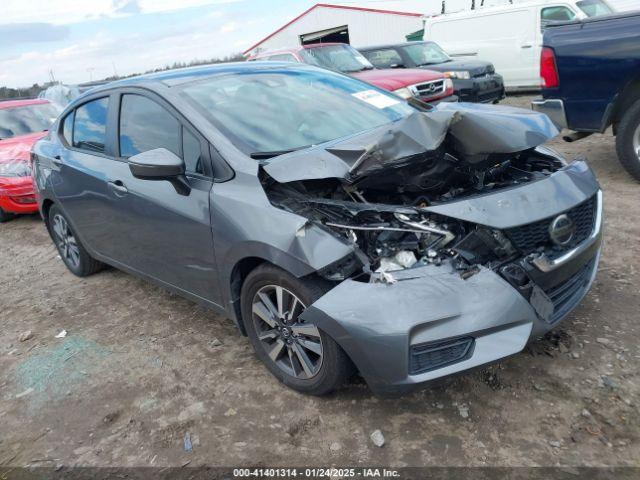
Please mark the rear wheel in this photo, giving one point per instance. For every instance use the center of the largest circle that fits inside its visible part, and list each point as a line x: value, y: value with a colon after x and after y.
x: 628, y: 141
x: 71, y: 250
x: 5, y: 216
x: 298, y: 353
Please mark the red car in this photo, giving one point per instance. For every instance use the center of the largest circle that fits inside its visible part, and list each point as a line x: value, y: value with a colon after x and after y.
x: 22, y: 123
x: 425, y: 85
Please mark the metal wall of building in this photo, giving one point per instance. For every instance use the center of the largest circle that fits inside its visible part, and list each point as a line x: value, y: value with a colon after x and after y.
x: 365, y: 28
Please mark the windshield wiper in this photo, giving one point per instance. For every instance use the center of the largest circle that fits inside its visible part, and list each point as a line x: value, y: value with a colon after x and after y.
x: 275, y: 153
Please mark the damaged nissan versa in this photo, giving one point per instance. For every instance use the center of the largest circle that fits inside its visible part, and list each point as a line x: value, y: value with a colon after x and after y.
x: 341, y: 227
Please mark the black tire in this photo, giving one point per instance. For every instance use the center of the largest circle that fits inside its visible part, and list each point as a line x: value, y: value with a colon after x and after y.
x: 628, y: 129
x: 80, y: 263
x: 334, y: 367
x: 5, y: 216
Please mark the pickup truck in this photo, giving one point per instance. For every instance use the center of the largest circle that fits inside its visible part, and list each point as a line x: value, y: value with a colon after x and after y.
x: 590, y: 74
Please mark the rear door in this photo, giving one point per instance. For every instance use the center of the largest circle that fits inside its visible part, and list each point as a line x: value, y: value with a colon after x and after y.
x: 81, y: 172
x: 167, y: 232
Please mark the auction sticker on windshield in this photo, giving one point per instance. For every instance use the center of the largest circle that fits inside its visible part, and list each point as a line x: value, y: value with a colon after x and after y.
x: 376, y: 99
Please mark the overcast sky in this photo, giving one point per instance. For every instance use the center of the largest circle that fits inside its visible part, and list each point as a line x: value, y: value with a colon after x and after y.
x: 83, y: 39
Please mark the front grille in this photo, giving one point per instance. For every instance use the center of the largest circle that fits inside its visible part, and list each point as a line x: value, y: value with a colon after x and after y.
x: 427, y: 357
x: 430, y: 89
x: 527, y: 238
x: 567, y: 294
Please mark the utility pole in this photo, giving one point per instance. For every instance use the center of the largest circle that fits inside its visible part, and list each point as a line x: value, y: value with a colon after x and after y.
x: 90, y: 70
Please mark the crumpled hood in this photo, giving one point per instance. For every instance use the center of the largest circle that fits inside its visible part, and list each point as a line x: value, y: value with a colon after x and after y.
x: 475, y: 130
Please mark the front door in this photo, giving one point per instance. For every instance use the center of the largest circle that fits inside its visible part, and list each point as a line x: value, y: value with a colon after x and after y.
x: 166, y: 230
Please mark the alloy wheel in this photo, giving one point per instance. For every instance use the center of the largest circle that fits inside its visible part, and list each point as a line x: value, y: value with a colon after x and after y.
x: 293, y: 345
x: 65, y: 241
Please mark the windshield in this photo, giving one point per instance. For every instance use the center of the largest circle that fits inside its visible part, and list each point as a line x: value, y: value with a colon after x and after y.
x: 24, y: 120
x: 343, y: 58
x: 279, y: 110
x: 594, y: 8
x: 427, y: 53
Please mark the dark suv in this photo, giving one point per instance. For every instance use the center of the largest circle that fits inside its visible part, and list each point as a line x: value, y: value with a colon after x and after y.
x: 473, y: 80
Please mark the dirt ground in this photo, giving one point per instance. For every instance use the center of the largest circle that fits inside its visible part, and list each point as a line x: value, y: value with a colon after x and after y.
x: 140, y: 368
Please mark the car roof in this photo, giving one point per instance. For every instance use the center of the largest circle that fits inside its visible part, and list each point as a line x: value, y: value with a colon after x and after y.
x: 181, y: 76
x: 22, y: 103
x: 392, y: 45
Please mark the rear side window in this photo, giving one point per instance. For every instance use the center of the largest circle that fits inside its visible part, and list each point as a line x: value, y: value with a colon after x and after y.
x: 67, y: 128
x: 90, y: 125
x: 145, y: 125
x: 556, y: 14
x: 284, y: 57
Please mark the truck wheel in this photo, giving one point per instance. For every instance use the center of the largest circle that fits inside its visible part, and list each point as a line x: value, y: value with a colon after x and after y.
x: 5, y: 216
x: 297, y: 353
x: 628, y: 141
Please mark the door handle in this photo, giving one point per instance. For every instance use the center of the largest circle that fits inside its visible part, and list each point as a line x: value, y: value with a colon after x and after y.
x: 57, y: 160
x: 118, y: 187
x: 526, y: 45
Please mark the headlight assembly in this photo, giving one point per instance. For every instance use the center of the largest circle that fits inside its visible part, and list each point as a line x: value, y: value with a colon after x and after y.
x: 462, y: 75
x: 404, y: 93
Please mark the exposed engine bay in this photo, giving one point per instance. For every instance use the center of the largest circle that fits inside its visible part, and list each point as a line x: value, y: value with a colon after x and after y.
x: 377, y: 190
x: 383, y: 212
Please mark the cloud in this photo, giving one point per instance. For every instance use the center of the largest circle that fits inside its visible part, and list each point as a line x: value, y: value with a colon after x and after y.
x: 228, y: 27
x: 126, y: 6
x: 16, y: 33
x: 62, y: 12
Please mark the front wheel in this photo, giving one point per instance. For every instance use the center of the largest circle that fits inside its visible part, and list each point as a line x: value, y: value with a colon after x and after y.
x: 71, y: 251
x: 628, y: 141
x: 298, y: 353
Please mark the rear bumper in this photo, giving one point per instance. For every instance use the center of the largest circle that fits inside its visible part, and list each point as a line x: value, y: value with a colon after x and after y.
x: 553, y: 108
x: 487, y: 89
x: 17, y: 195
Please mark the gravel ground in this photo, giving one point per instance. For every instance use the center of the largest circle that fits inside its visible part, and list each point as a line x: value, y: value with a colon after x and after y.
x: 140, y: 368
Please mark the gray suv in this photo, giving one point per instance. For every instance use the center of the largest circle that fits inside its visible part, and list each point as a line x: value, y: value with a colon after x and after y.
x: 341, y: 227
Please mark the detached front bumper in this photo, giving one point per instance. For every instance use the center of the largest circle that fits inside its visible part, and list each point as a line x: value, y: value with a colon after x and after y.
x: 553, y: 108
x: 432, y: 323
x: 17, y: 195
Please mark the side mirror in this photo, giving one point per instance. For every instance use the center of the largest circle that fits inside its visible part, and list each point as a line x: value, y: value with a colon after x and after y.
x: 158, y: 164
x: 161, y: 164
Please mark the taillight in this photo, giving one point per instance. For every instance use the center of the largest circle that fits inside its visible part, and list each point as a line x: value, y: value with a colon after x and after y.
x: 548, y: 69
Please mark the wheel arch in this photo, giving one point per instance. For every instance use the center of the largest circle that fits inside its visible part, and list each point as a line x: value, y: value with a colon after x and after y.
x: 625, y: 99
x: 47, y: 203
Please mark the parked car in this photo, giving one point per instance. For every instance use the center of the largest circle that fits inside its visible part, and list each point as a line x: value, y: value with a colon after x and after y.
x: 22, y: 122
x: 509, y: 36
x: 338, y: 225
x: 425, y: 85
x: 590, y: 71
x: 473, y: 80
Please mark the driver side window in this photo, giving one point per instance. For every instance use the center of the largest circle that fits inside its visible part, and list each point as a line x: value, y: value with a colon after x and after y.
x: 145, y: 125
